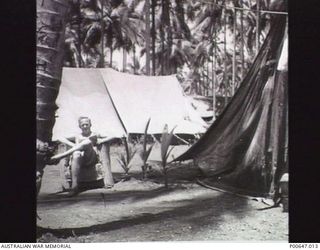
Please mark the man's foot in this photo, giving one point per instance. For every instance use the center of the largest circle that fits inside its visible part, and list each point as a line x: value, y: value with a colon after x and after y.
x: 73, y: 192
x: 108, y: 186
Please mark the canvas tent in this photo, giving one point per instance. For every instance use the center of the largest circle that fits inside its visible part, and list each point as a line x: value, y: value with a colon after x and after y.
x: 245, y: 149
x: 120, y: 103
x: 203, y: 105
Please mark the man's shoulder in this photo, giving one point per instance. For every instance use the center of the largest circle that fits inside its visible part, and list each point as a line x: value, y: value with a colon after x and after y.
x: 98, y: 135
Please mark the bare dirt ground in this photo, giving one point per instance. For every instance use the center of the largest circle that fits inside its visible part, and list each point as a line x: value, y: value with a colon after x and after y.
x: 137, y: 210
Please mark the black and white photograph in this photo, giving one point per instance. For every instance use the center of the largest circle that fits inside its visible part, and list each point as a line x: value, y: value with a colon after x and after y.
x: 162, y: 121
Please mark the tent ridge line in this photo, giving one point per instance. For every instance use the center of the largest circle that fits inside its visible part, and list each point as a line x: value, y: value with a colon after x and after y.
x: 114, y: 106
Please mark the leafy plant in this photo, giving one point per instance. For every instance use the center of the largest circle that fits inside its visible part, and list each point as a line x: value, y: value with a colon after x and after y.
x: 166, y: 140
x: 125, y: 158
x: 144, y: 154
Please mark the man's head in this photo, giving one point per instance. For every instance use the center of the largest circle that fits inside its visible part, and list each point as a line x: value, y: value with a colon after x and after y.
x: 85, y: 125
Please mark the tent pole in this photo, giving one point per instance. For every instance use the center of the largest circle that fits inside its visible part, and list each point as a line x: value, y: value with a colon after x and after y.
x: 106, y: 163
x: 180, y: 139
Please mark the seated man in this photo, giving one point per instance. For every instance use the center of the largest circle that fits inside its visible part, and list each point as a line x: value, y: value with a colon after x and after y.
x: 85, y: 154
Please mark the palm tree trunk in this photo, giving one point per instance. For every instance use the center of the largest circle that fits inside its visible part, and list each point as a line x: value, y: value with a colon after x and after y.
x: 102, y: 36
x: 180, y: 14
x: 162, y: 57
x: 79, y: 34
x: 202, y: 80
x: 258, y: 27
x: 225, y: 58
x: 207, y: 81
x: 153, y: 36
x: 111, y: 54
x: 242, y: 45
x: 234, y: 52
x: 147, y: 36
x: 214, y: 77
x: 195, y: 86
x: 200, y: 83
x: 167, y: 34
x: 134, y: 59
x: 171, y: 70
x: 124, y: 60
x: 213, y: 89
x: 51, y: 22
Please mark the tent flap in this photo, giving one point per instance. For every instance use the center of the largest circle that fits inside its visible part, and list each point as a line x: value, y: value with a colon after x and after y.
x: 240, y: 147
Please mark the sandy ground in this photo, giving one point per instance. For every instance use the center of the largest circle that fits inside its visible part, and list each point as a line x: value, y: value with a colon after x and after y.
x: 137, y: 210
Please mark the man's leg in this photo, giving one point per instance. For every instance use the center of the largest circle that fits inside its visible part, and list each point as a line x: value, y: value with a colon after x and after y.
x: 75, y: 170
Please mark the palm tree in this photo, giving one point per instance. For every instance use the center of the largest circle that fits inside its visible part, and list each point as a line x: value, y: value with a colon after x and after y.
x: 74, y: 35
x: 112, y: 24
x: 171, y: 46
x: 83, y: 34
x: 206, y: 19
x: 51, y: 23
x: 220, y: 18
x: 96, y: 19
x: 130, y: 25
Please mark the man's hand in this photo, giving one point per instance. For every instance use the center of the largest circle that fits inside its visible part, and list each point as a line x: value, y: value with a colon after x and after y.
x: 105, y: 139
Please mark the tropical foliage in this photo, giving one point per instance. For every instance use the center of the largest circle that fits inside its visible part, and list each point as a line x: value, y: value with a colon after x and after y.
x: 98, y: 27
x: 126, y: 157
x: 208, y: 44
x: 144, y: 154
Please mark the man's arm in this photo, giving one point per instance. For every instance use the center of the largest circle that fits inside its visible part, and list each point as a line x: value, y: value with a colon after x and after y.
x: 101, y: 140
x: 67, y: 141
x: 76, y: 147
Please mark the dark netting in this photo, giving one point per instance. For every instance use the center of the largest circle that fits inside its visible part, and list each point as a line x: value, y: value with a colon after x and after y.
x: 245, y: 148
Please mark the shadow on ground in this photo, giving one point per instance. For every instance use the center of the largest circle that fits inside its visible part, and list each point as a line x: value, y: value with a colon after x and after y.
x: 198, y: 212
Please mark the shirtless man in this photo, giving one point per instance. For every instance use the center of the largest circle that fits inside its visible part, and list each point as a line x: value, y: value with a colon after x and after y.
x: 86, y: 154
